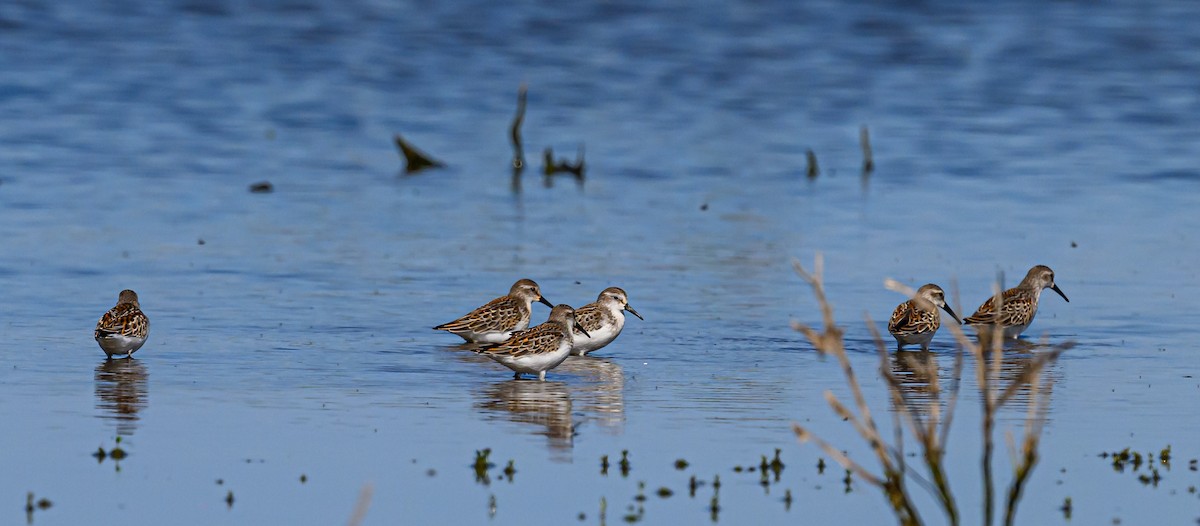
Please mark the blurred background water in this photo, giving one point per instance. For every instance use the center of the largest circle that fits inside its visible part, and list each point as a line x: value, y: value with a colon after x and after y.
x: 290, y: 330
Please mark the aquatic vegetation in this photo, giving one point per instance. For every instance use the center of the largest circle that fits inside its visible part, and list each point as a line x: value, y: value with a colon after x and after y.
x: 482, y: 465
x: 813, y: 170
x: 1134, y: 460
x: 31, y: 505
x: 117, y: 454
x: 929, y: 426
x: 776, y: 466
x: 509, y: 471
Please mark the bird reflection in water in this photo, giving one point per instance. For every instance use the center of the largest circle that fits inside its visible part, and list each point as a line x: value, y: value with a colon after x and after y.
x: 121, y: 392
x: 600, y: 391
x: 917, y: 377
x: 557, y: 409
x: 924, y: 384
x: 547, y: 405
x: 1016, y: 360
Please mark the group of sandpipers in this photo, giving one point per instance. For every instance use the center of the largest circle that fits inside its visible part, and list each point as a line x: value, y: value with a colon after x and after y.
x: 915, y: 321
x: 500, y: 328
x: 500, y: 325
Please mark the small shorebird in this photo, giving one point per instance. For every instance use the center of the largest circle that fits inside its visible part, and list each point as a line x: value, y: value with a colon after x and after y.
x: 496, y: 320
x: 915, y: 321
x: 603, y: 320
x: 123, y: 329
x: 537, y: 350
x: 1019, y: 304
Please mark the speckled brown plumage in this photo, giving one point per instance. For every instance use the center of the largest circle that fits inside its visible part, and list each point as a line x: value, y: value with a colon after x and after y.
x: 539, y: 349
x: 915, y: 321
x: 1019, y: 304
x: 126, y: 318
x: 541, y: 339
x: 592, y: 316
x: 603, y: 319
x: 497, y: 319
x: 124, y: 328
x: 501, y: 314
x: 909, y: 318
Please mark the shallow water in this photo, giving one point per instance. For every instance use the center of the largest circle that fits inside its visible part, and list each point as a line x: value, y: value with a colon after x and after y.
x: 290, y: 331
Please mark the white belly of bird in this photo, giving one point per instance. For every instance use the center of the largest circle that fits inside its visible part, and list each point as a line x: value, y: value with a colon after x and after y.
x: 487, y: 337
x: 536, y: 363
x: 921, y: 339
x: 117, y: 344
x: 1013, y: 331
x: 599, y: 338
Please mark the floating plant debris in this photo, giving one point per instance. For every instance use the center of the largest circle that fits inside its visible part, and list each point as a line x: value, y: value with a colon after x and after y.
x: 261, y: 187
x: 415, y: 159
x: 550, y: 167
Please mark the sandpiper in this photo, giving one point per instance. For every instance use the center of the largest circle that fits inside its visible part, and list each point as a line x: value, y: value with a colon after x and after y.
x: 496, y: 320
x: 123, y: 329
x: 537, y: 350
x: 915, y: 321
x: 603, y: 321
x: 1019, y: 304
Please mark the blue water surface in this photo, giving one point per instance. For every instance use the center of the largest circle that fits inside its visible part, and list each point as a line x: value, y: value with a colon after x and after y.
x: 291, y: 363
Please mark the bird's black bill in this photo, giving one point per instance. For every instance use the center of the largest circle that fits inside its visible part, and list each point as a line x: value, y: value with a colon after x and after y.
x: 581, y: 329
x: 951, y: 313
x: 630, y: 309
x: 545, y: 302
x: 1060, y: 293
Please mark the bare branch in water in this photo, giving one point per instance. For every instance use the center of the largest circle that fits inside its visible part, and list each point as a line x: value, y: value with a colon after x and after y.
x: 518, y: 161
x: 864, y: 140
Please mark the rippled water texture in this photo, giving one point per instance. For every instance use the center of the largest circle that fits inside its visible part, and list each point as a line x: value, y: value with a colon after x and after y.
x: 291, y: 362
